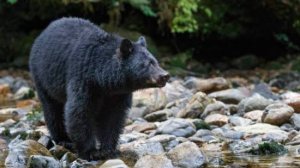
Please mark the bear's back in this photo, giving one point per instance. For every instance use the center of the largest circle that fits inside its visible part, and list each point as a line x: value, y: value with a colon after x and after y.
x: 53, y: 48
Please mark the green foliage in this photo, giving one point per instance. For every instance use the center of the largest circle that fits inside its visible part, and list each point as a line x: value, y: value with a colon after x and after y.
x: 180, y: 60
x: 184, y: 19
x: 12, y: 1
x: 285, y: 40
x: 142, y: 5
x: 267, y: 148
x: 35, y: 116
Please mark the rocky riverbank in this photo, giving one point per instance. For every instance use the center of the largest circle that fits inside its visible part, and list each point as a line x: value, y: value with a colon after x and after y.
x: 191, y: 122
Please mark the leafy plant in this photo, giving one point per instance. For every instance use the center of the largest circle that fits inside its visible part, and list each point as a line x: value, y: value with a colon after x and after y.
x: 184, y: 19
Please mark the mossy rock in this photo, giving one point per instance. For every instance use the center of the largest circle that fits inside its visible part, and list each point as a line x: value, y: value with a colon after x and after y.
x: 267, y: 148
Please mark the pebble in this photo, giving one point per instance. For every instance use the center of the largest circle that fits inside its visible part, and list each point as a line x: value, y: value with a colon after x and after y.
x: 177, y: 127
x: 187, y: 155
x: 206, y: 85
x: 216, y: 119
x: 160, y: 115
x: 20, y: 152
x: 255, y: 102
x: 216, y: 108
x: 195, y: 106
x: 231, y: 96
x: 133, y: 151
x: 154, y: 161
x: 277, y: 114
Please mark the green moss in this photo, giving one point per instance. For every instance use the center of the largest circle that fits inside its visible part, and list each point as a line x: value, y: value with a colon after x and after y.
x: 6, y: 132
x: 200, y: 124
x: 269, y: 148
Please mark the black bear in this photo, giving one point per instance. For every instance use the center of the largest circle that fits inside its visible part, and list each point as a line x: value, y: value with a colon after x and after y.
x: 85, y: 77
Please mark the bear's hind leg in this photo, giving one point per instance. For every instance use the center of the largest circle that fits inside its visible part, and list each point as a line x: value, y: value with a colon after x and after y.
x: 53, y: 113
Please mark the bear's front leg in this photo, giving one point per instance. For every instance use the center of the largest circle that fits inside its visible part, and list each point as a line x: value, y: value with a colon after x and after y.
x: 110, y: 122
x: 78, y: 122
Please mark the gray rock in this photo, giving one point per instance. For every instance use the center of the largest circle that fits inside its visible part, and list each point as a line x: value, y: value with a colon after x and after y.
x: 79, y: 163
x: 231, y: 96
x: 215, y: 108
x: 206, y: 85
x: 239, y: 121
x: 229, y: 134
x: 138, y: 112
x: 19, y: 153
x: 264, y: 90
x: 133, y: 136
x: 176, y: 126
x: 195, y: 106
x: 259, y: 128
x: 175, y: 90
x: 187, y: 155
x: 295, y: 120
x: 216, y: 119
x: 154, y: 161
x: 46, y: 141
x: 67, y: 158
x: 255, y: 102
x: 42, y: 162
x: 277, y: 114
x: 114, y: 163
x: 133, y: 151
x: 153, y: 98
x: 160, y: 115
x: 24, y: 92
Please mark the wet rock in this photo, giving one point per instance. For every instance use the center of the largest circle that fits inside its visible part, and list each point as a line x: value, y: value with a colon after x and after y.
x: 42, y: 162
x: 292, y: 99
x: 216, y: 119
x: 229, y: 134
x: 207, y: 85
x: 79, y: 163
x: 19, y: 153
x: 175, y: 90
x: 255, y: 102
x: 231, y: 96
x: 46, y: 141
x: 195, y: 106
x: 138, y: 112
x: 277, y: 114
x: 215, y: 108
x: 154, y: 161
x: 187, y: 155
x: 295, y: 120
x: 129, y: 137
x: 288, y: 80
x: 58, y: 151
x: 114, y: 163
x: 275, y: 137
x: 167, y: 141
x: 140, y: 127
x: 7, y: 123
x: 67, y: 158
x: 160, y: 115
x: 133, y: 151
x: 153, y: 98
x: 11, y: 113
x: 259, y: 128
x: 287, y: 127
x: 264, y: 90
x: 254, y: 115
x: 239, y: 121
x: 176, y: 126
x: 24, y: 93
x: 4, y: 91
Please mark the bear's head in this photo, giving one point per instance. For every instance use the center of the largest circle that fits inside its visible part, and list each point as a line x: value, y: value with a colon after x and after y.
x: 141, y: 68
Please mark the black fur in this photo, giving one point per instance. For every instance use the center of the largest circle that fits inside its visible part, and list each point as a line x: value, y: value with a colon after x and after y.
x: 85, y: 78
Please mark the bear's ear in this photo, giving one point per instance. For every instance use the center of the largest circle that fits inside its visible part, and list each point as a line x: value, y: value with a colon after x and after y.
x: 142, y: 41
x: 126, y: 47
